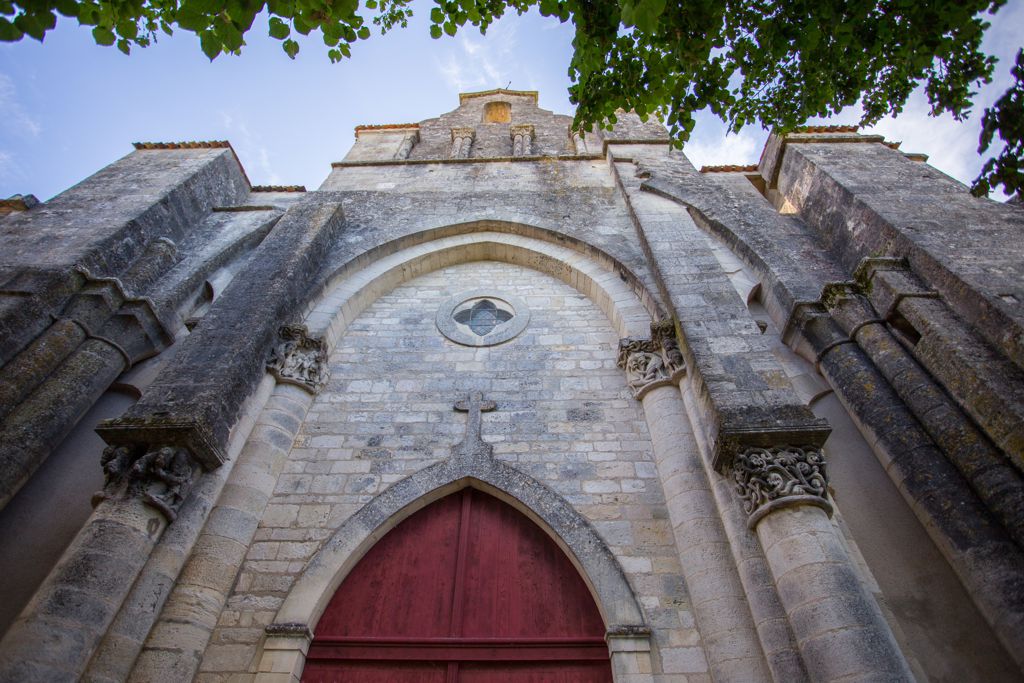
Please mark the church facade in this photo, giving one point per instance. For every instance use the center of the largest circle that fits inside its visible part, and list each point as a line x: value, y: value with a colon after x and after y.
x: 501, y: 402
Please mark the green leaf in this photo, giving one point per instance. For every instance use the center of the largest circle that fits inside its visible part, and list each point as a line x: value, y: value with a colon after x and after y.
x: 363, y: 33
x: 69, y: 8
x: 450, y: 28
x: 103, y: 36
x: 210, y: 45
x: 9, y: 32
x: 279, y: 29
x: 291, y: 48
x: 435, y: 31
x: 436, y: 15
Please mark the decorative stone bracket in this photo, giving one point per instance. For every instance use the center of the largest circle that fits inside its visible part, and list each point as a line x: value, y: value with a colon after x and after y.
x: 162, y: 476
x: 781, y: 476
x: 299, y: 359
x: 654, y: 362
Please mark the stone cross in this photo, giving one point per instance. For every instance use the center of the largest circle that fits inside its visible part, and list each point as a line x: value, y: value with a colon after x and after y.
x: 472, y: 443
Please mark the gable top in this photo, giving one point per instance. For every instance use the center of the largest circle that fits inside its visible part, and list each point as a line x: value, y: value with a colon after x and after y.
x: 463, y: 96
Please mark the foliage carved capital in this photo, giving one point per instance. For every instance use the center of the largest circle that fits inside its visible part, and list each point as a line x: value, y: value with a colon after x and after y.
x: 782, y: 476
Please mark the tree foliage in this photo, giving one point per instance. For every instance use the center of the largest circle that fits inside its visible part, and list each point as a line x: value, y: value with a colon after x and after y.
x: 777, y: 62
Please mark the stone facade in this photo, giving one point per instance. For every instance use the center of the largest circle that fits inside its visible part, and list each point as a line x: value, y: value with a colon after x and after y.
x: 772, y: 415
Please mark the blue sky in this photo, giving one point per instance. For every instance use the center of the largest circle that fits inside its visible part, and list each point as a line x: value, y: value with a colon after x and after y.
x: 68, y: 107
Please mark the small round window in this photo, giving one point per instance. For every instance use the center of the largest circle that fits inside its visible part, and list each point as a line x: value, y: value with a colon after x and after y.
x: 482, y: 318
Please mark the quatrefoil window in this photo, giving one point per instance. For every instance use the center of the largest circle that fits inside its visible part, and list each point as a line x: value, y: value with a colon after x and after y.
x: 483, y: 317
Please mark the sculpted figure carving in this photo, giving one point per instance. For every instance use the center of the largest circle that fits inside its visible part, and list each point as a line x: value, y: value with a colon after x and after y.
x: 163, y: 477
x: 651, y: 363
x: 299, y: 359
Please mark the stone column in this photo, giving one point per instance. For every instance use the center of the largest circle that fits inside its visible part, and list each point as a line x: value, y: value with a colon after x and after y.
x: 839, y: 628
x: 116, y: 654
x: 991, y: 475
x: 522, y: 140
x: 462, y: 143
x: 409, y: 141
x: 58, y: 631
x: 104, y: 331
x: 984, y: 557
x: 37, y: 425
x: 175, y: 647
x: 719, y: 601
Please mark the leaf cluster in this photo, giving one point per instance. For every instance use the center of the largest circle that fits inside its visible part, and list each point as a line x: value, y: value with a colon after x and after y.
x: 774, y: 62
x: 220, y: 24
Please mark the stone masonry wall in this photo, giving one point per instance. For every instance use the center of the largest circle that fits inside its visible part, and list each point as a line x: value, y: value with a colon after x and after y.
x: 565, y: 417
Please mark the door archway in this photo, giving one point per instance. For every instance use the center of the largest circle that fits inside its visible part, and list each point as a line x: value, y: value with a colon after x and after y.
x: 467, y: 589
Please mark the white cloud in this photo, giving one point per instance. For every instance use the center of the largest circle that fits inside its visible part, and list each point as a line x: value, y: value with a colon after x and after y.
x: 13, y: 116
x: 250, y: 147
x: 480, y: 64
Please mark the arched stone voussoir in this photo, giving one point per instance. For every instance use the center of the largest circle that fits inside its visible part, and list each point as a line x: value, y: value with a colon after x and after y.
x: 626, y: 302
x: 570, y: 530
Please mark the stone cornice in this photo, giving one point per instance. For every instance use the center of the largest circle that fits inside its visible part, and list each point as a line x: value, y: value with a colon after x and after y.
x: 464, y: 96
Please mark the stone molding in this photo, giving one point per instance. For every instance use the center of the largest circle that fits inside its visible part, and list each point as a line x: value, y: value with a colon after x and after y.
x: 299, y: 359
x: 161, y: 477
x: 769, y: 479
x: 652, y: 363
x: 153, y: 334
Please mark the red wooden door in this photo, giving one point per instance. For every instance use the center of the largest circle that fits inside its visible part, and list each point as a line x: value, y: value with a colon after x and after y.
x: 469, y: 590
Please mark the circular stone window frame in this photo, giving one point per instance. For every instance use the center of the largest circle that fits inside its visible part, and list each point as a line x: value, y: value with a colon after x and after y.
x: 447, y: 326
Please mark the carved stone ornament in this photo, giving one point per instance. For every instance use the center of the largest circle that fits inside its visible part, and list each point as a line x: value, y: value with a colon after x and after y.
x: 161, y: 476
x: 462, y: 142
x: 522, y: 139
x: 771, y: 478
x: 299, y: 359
x: 651, y: 363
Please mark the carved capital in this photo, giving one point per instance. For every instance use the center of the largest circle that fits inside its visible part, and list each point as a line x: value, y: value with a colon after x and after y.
x: 651, y: 363
x: 299, y: 359
x: 462, y: 142
x: 781, y: 476
x: 161, y: 477
x: 522, y: 139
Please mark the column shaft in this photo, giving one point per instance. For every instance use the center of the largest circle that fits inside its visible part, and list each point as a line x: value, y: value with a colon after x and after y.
x: 719, y: 601
x: 175, y: 647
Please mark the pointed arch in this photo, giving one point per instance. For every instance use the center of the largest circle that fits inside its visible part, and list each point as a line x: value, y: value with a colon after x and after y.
x: 570, y: 530
x: 284, y: 649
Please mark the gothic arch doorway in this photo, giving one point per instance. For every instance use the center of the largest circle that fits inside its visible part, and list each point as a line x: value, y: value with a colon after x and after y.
x: 467, y: 589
